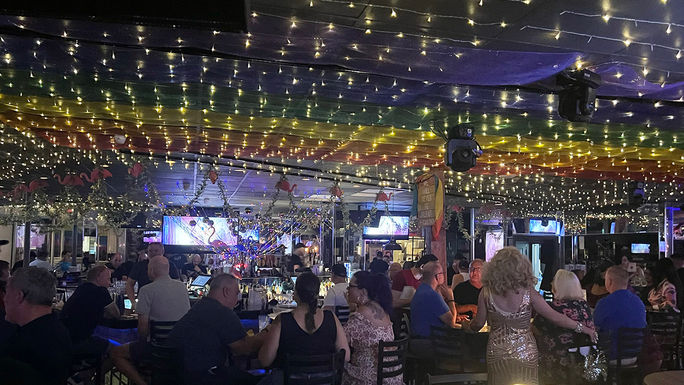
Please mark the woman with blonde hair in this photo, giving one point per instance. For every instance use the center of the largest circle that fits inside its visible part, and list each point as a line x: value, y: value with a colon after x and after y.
x: 553, y: 342
x: 506, y: 303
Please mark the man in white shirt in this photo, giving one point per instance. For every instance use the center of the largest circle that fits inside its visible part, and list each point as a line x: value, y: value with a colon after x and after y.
x: 164, y: 299
x: 335, y: 300
x: 41, y: 261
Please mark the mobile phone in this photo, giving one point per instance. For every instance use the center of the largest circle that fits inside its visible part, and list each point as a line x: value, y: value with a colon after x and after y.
x: 631, y: 267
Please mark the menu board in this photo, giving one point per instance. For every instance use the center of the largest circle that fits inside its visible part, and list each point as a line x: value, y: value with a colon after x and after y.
x: 426, y: 201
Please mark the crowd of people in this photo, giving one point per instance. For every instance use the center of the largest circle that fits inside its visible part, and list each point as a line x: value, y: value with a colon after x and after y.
x: 357, y: 313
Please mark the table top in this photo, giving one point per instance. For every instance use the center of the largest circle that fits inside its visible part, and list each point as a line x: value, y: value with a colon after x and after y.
x: 665, y: 378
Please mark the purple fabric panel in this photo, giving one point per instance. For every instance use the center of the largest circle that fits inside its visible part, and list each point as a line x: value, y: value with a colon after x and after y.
x: 622, y: 80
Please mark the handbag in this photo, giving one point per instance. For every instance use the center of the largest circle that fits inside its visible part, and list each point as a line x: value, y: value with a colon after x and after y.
x: 595, y: 366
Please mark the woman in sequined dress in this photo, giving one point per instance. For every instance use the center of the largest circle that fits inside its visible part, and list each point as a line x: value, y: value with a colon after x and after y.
x: 506, y: 303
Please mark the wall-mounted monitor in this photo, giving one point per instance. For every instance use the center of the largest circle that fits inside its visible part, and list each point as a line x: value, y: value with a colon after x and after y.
x: 152, y: 236
x: 396, y: 227
x: 641, y: 248
x: 198, y: 231
x: 544, y: 226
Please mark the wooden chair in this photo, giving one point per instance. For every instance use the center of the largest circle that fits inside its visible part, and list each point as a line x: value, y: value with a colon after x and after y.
x: 342, y: 313
x: 160, y: 330
x: 666, y: 328
x: 391, y: 359
x: 166, y: 366
x: 581, y: 346
x: 621, y: 356
x: 404, y: 327
x: 322, y: 369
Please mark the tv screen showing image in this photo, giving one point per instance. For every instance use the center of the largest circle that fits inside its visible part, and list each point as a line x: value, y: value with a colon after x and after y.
x: 152, y: 236
x: 543, y: 226
x: 198, y: 231
x: 641, y: 248
x: 389, y: 227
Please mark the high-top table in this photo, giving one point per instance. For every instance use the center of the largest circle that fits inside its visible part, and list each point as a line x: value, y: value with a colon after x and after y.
x: 670, y: 377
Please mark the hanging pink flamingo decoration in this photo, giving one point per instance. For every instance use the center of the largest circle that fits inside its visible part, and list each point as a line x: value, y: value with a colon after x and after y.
x: 382, y: 197
x: 136, y: 170
x: 71, y: 180
x: 97, y: 174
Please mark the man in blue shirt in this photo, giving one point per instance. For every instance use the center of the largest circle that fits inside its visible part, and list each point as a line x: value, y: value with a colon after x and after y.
x: 428, y: 307
x: 621, y: 309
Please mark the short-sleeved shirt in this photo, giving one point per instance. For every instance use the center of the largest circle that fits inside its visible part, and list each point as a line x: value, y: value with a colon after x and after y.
x: 42, y: 264
x: 84, y: 310
x: 44, y: 346
x: 335, y: 296
x: 204, y: 334
x: 404, y: 278
x: 139, y: 273
x: 426, y: 307
x: 621, y: 309
x: 466, y: 294
x: 165, y: 299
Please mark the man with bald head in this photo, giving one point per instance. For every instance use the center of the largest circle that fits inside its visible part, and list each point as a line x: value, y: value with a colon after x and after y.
x: 209, y: 331
x: 164, y: 299
x: 620, y: 309
x: 428, y: 307
x: 139, y: 274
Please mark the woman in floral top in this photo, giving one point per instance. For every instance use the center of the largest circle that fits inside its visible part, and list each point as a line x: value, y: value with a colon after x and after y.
x: 367, y: 326
x: 553, y: 342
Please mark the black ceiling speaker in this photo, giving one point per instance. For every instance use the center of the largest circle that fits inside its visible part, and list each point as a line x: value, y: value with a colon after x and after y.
x: 462, y: 150
x: 225, y: 16
x: 577, y: 99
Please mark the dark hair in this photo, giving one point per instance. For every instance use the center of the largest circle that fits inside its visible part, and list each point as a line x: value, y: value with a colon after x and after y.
x: 425, y: 259
x: 664, y: 269
x: 463, y: 265
x: 378, y: 288
x: 4, y: 265
x: 307, y: 288
x: 378, y: 266
x: 408, y: 265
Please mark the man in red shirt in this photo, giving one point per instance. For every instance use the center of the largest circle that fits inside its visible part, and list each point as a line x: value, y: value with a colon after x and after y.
x: 409, y: 277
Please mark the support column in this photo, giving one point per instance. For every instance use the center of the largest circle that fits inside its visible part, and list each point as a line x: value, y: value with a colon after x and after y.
x: 472, y: 233
x: 27, y: 244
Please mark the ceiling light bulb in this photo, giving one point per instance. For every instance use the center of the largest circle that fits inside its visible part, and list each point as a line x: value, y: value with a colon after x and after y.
x: 394, y: 13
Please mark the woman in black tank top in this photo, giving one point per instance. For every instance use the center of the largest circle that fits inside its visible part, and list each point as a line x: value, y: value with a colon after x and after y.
x: 307, y: 330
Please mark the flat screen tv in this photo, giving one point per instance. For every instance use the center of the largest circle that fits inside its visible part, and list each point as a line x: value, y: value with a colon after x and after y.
x: 396, y: 227
x: 198, y: 231
x: 152, y: 236
x: 641, y: 248
x: 543, y: 226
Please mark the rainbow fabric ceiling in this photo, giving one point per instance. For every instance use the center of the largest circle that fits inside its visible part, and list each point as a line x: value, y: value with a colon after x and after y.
x: 312, y: 90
